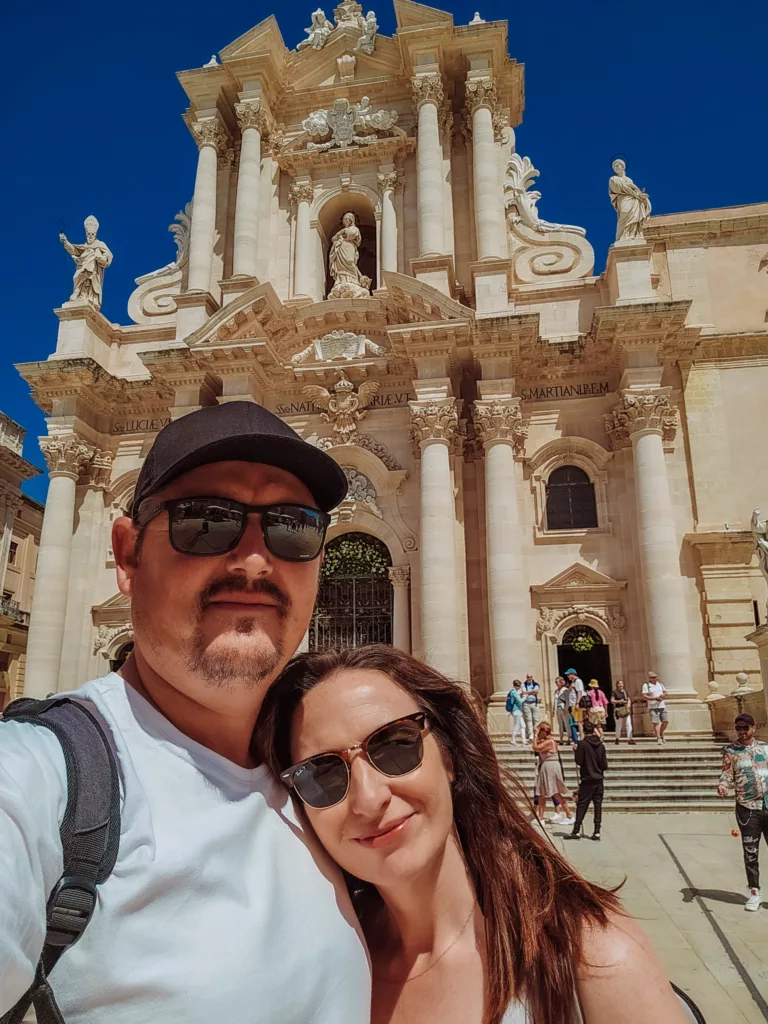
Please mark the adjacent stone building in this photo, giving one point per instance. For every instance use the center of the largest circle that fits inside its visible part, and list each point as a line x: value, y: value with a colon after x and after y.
x: 547, y: 467
x: 21, y: 519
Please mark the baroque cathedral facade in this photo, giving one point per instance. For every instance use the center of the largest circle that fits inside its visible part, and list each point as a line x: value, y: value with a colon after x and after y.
x: 548, y: 468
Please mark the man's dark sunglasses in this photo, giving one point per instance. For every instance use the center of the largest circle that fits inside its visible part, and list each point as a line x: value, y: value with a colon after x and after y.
x: 214, y: 526
x: 394, y: 749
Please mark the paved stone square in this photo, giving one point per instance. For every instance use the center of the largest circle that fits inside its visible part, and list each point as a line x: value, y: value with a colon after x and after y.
x: 685, y: 885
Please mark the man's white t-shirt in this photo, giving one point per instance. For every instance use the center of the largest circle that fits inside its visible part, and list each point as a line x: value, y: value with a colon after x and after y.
x: 221, y: 909
x: 655, y: 690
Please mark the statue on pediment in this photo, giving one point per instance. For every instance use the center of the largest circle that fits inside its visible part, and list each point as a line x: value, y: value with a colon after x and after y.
x: 337, y: 345
x: 91, y: 259
x: 348, y: 124
x: 631, y: 203
x: 349, y: 14
x: 367, y: 41
x: 348, y: 282
x: 318, y: 31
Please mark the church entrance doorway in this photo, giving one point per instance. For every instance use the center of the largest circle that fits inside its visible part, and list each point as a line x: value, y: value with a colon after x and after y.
x: 583, y: 649
x: 354, y: 601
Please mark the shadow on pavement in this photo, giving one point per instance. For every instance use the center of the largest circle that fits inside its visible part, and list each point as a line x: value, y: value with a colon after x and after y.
x: 715, y: 894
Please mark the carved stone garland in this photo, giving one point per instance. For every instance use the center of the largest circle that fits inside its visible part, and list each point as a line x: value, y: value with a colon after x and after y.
x: 609, y: 615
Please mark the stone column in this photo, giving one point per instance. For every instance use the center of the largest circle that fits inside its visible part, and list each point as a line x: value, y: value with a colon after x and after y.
x: 252, y: 119
x: 302, y: 194
x: 434, y: 433
x: 66, y: 458
x: 388, y: 184
x: 490, y: 225
x: 500, y: 427
x: 400, y: 578
x: 428, y: 97
x: 211, y: 137
x: 643, y: 418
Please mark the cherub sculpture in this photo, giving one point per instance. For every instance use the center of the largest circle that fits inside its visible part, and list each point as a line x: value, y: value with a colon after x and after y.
x: 317, y: 32
x: 369, y: 27
x: 344, y: 406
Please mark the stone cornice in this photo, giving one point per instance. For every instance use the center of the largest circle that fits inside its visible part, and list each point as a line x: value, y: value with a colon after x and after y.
x: 86, y: 380
x: 698, y: 226
x: 721, y: 549
x: 657, y: 325
x: 382, y: 151
x: 15, y: 465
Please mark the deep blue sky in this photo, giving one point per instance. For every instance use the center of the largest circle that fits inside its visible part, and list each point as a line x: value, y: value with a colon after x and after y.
x: 91, y: 124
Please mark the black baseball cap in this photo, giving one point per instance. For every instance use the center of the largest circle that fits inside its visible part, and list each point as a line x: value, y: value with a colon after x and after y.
x: 243, y: 432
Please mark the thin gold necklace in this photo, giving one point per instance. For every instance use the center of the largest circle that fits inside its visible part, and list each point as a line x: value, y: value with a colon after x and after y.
x: 421, y: 974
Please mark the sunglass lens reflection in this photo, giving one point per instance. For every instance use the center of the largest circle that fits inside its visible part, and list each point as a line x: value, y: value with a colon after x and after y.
x: 205, y: 528
x: 323, y: 781
x: 397, y: 749
x: 294, y: 532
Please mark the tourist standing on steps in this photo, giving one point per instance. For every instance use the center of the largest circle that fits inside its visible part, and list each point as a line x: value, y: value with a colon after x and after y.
x: 562, y: 709
x: 592, y: 761
x: 745, y: 775
x: 531, y: 703
x: 515, y: 710
x: 598, y: 713
x: 622, y: 711
x: 654, y: 693
x: 550, y: 782
x: 577, y: 711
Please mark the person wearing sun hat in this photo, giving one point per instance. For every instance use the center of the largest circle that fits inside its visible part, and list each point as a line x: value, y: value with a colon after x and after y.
x: 598, y: 713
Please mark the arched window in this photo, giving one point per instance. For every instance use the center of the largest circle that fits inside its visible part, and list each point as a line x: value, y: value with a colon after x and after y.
x: 570, y: 500
x: 354, y: 601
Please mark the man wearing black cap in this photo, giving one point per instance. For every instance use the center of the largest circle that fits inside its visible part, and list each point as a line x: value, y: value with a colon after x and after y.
x: 219, y: 906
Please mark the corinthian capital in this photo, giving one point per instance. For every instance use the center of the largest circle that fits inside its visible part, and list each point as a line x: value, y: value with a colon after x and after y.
x: 253, y: 114
x: 427, y: 89
x: 481, y: 92
x: 101, y: 469
x: 210, y: 131
x: 302, y: 193
x: 399, y: 575
x: 388, y: 180
x: 66, y: 456
x: 434, y: 421
x: 501, y: 421
x: 646, y: 410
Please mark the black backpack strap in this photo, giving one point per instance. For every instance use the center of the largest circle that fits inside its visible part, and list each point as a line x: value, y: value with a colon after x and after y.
x: 90, y: 835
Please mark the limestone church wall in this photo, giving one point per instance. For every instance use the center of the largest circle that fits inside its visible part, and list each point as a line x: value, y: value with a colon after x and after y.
x: 484, y: 357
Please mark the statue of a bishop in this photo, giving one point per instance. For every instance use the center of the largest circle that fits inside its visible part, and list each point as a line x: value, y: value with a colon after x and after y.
x: 91, y: 260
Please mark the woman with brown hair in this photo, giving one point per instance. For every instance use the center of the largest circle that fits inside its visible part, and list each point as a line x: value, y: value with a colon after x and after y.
x: 549, y: 778
x: 471, y: 916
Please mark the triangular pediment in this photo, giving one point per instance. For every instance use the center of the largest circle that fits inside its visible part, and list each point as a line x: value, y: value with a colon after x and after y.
x: 313, y: 69
x: 119, y: 602
x: 578, y: 577
x: 264, y: 38
x: 411, y: 15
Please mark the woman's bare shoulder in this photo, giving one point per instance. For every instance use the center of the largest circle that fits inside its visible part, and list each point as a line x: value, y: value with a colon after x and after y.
x: 622, y: 979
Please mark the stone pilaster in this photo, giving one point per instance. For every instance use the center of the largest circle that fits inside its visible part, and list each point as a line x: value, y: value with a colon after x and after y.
x: 434, y: 435
x: 301, y: 195
x: 641, y: 419
x: 499, y: 426
x: 211, y: 138
x: 66, y: 457
x: 400, y: 578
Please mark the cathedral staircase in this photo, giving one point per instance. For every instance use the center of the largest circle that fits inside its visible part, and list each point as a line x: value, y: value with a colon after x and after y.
x: 679, y: 776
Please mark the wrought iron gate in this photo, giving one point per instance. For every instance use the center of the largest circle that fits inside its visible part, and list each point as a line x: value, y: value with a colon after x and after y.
x: 354, y: 601
x: 352, y: 611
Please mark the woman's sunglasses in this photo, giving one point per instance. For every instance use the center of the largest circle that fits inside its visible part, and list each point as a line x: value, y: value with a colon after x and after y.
x: 214, y: 526
x: 394, y: 749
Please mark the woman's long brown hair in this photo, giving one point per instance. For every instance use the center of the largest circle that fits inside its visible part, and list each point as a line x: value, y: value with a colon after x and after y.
x: 535, y: 905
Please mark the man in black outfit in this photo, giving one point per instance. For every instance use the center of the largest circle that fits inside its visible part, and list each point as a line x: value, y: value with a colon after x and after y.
x: 592, y: 761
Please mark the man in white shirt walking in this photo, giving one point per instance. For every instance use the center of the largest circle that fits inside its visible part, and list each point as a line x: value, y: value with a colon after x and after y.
x: 220, y: 906
x: 654, y: 693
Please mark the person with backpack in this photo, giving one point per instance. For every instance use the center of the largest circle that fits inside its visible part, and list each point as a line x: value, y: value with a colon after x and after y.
x: 152, y: 869
x: 531, y: 703
x: 591, y: 758
x: 515, y: 709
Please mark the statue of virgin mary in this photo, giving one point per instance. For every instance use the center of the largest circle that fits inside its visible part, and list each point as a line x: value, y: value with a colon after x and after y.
x: 348, y: 282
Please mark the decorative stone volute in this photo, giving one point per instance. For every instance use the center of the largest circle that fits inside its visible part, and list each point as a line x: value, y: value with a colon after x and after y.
x: 501, y: 421
x: 434, y: 421
x: 210, y: 131
x: 427, y: 89
x: 641, y: 410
